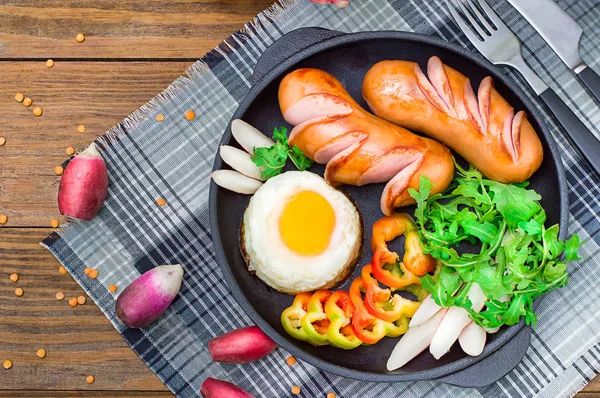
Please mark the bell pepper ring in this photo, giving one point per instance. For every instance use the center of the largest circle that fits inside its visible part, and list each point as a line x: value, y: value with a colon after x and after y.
x: 414, y: 261
x: 366, y: 327
x: 339, y: 310
x: 398, y: 327
x: 395, y: 277
x: 291, y: 317
x: 416, y: 290
x: 381, y: 303
x: 315, y: 322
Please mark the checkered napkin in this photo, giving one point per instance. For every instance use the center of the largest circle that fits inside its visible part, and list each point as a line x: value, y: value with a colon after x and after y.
x: 173, y: 159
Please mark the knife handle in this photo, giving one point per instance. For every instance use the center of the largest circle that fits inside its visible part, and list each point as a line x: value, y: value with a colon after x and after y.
x: 591, y: 80
x: 579, y: 133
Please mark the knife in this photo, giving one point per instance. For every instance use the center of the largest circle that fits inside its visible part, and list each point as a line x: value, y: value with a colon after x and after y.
x: 562, y: 33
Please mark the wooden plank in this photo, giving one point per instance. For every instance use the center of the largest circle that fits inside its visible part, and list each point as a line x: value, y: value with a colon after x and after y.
x: 31, y: 29
x: 79, y: 341
x: 593, y: 386
x: 96, y: 94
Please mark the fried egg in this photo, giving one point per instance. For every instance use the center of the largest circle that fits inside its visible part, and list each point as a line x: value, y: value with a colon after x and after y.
x: 299, y: 234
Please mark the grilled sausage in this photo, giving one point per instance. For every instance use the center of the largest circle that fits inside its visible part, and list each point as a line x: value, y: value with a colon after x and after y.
x: 483, y: 129
x: 358, y: 148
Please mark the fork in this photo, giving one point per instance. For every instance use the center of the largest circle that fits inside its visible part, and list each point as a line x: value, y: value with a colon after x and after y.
x: 490, y: 35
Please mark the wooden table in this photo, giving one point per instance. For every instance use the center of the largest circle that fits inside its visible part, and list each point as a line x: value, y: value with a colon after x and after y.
x: 132, y: 51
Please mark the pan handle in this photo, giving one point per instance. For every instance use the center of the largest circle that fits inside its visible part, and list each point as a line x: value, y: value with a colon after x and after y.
x: 288, y: 45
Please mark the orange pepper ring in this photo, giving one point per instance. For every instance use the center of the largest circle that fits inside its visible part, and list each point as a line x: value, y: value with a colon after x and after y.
x: 389, y: 228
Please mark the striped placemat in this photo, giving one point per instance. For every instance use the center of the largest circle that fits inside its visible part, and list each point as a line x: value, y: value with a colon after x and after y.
x: 173, y: 159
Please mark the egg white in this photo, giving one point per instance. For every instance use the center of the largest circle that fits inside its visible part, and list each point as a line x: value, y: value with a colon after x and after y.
x: 279, y: 266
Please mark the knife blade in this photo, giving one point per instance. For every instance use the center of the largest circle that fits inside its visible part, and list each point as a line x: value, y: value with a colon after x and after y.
x: 562, y: 33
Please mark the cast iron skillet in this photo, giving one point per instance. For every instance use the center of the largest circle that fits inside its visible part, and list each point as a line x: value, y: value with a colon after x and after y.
x: 348, y: 57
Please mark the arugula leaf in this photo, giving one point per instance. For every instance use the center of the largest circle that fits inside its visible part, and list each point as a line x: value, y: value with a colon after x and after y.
x: 471, y: 191
x: 300, y: 160
x: 516, y: 204
x: 571, y: 248
x: 443, y: 287
x: 280, y: 135
x: 554, y: 271
x: 471, y: 173
x: 485, y: 232
x: 421, y: 197
x: 552, y: 243
x: 531, y: 227
x: 485, y: 275
x: 273, y: 159
x: 516, y: 309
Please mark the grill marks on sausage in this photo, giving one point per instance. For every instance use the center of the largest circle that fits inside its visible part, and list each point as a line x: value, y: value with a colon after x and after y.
x: 439, y: 80
x: 316, y: 106
x: 320, y: 122
x: 473, y: 109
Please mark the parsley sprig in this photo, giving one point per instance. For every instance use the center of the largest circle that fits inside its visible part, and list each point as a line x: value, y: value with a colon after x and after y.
x: 273, y: 159
x: 518, y: 260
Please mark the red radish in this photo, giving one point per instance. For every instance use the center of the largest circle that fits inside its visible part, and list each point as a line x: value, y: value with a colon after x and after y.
x: 214, y: 388
x: 147, y: 297
x: 454, y: 322
x: 236, y: 182
x: 337, y: 3
x: 249, y: 137
x: 415, y: 341
x: 240, y: 161
x: 83, y: 185
x: 427, y: 309
x: 242, y: 345
x: 472, y: 339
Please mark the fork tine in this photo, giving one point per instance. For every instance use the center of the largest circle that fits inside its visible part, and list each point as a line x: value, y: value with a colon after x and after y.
x: 467, y: 30
x: 491, y: 14
x: 478, y: 14
x: 471, y: 19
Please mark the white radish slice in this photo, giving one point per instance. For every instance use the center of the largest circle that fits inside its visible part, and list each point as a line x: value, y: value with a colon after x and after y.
x: 472, y: 339
x: 415, y: 341
x: 427, y: 309
x: 454, y: 322
x: 236, y: 182
x: 249, y: 137
x: 240, y: 161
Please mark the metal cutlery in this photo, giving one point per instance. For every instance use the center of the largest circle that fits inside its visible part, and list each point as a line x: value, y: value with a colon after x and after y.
x: 562, y: 33
x: 490, y: 35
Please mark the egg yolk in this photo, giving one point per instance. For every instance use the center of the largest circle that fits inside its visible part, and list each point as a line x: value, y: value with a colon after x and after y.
x: 306, y: 223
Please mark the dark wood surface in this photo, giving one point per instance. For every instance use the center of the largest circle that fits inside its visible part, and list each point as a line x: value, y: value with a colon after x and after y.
x: 132, y: 51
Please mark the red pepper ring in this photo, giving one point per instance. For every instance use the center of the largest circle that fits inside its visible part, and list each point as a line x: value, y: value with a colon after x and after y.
x: 391, y: 227
x: 366, y: 327
x: 381, y: 303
